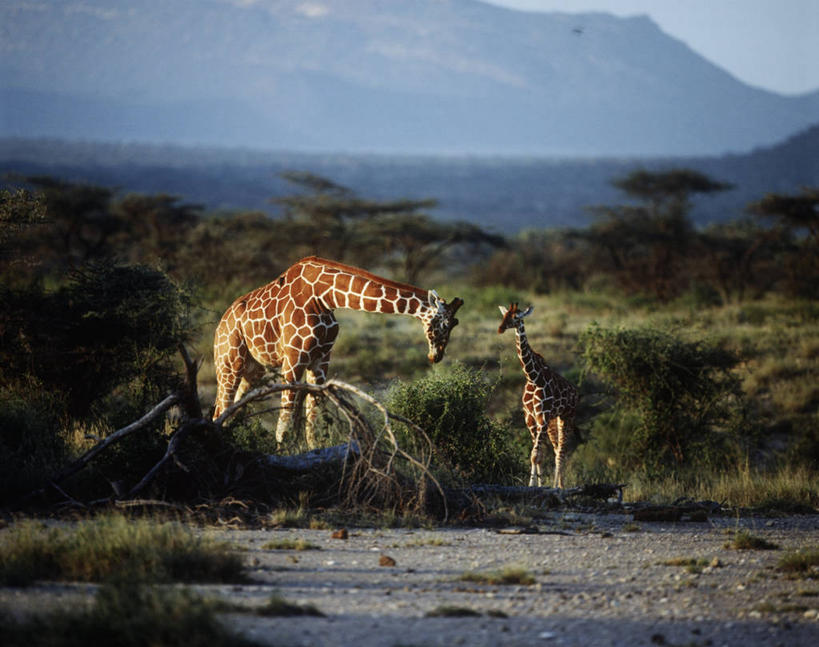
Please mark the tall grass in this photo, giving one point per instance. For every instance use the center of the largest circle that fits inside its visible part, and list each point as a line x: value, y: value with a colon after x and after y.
x: 113, y: 547
x: 125, y: 616
x: 784, y: 489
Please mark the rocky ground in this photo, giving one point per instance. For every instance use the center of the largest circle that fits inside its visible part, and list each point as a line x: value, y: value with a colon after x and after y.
x: 598, y: 579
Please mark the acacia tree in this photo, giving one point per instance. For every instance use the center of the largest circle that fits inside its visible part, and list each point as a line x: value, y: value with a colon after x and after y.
x: 20, y: 211
x: 417, y: 242
x: 797, y: 228
x: 328, y: 219
x: 796, y: 212
x: 155, y: 228
x: 648, y: 245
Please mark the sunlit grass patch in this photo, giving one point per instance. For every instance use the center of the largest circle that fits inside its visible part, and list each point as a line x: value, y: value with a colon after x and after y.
x: 114, y: 547
x: 744, y: 540
x: 510, y: 575
x: 801, y: 563
x: 784, y: 489
x: 690, y: 564
x: 426, y: 541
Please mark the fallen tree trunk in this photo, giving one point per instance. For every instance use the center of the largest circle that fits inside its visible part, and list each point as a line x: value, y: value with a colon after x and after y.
x: 327, y: 457
x: 603, y: 491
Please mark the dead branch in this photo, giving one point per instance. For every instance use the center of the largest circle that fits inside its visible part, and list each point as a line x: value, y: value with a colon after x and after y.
x: 190, y: 400
x: 118, y: 435
x: 366, y: 465
x: 176, y: 438
x: 373, y: 475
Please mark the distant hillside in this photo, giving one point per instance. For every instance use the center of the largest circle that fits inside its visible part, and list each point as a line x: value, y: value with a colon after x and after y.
x: 427, y: 76
x: 503, y: 193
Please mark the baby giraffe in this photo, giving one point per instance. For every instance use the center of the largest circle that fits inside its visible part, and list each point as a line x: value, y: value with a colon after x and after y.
x: 549, y: 400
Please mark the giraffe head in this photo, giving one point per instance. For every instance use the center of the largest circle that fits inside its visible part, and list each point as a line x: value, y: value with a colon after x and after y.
x: 439, y: 320
x: 512, y: 316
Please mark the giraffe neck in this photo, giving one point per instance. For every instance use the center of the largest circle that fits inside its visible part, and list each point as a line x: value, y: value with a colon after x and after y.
x: 531, y: 362
x: 344, y: 286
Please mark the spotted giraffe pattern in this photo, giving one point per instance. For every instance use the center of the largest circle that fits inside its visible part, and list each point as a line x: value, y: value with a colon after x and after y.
x: 549, y: 400
x: 289, y: 324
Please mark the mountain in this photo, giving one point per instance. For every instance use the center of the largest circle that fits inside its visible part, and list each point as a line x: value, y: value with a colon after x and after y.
x: 400, y: 76
x: 500, y: 193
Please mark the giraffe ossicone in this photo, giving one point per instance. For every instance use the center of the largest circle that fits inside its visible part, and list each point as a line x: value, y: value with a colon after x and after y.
x: 289, y: 324
x: 549, y: 400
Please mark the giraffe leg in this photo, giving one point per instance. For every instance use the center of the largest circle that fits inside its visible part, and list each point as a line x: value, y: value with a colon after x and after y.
x: 310, y: 409
x: 558, y: 443
x: 536, y: 460
x: 252, y: 373
x: 532, y: 426
x: 229, y: 356
x: 290, y: 403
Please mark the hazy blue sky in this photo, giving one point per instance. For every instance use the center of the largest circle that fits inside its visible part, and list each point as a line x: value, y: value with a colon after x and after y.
x: 773, y: 44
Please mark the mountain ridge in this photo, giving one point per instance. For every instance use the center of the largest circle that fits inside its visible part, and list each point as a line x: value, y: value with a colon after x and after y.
x: 420, y: 76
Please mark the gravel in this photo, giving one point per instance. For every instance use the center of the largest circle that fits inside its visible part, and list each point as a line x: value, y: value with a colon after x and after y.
x: 599, y: 579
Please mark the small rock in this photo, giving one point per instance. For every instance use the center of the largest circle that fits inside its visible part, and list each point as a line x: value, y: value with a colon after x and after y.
x: 341, y: 533
x: 386, y: 560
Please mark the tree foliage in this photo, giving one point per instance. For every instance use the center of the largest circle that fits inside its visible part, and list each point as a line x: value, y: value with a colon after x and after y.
x: 108, y: 326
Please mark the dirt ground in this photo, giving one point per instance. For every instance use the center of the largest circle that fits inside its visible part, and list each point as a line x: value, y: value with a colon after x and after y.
x: 599, y: 579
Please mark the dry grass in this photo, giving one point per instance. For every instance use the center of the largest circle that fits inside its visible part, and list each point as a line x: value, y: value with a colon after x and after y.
x: 690, y: 564
x: 290, y: 544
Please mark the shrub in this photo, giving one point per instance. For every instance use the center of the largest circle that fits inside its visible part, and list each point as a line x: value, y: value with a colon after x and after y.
x: 683, y: 394
x: 450, y: 405
x: 31, y: 443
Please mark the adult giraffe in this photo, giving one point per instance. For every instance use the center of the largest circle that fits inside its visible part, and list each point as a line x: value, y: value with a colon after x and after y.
x: 549, y: 400
x: 289, y: 323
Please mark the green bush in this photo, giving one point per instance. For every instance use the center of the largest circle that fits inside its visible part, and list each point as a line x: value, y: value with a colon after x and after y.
x: 685, y: 399
x: 450, y: 405
x: 32, y: 444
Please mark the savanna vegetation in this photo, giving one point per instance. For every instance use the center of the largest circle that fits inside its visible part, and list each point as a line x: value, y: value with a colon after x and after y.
x: 696, y: 349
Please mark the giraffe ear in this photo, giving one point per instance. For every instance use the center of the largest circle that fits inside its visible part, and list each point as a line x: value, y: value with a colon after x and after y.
x: 527, y: 312
x: 503, y: 310
x: 433, y: 297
